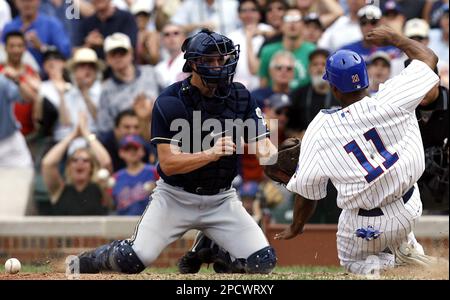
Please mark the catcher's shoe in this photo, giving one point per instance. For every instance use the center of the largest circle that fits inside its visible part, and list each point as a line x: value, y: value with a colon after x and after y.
x: 201, y: 252
x: 406, y: 255
x: 95, y: 261
x: 189, y: 263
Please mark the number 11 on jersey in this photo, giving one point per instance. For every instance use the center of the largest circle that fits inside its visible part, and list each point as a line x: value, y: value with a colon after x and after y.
x: 389, y: 159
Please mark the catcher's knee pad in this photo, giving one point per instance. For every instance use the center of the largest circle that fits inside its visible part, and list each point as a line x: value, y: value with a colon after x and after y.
x: 262, y: 261
x: 123, y: 258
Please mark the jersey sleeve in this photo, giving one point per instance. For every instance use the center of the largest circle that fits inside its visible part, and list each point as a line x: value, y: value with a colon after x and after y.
x: 309, y: 179
x: 255, y: 116
x: 407, y: 89
x: 165, y: 111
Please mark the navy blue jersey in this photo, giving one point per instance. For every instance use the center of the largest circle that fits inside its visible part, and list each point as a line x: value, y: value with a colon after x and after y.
x: 182, y: 101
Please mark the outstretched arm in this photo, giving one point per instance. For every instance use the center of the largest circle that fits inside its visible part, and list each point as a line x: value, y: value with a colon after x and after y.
x: 303, y: 211
x: 385, y: 36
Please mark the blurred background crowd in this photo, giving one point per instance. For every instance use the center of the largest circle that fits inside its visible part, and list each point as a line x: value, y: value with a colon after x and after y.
x: 78, y: 79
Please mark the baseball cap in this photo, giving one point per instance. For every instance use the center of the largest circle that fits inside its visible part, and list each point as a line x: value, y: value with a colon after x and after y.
x: 279, y: 101
x: 392, y: 6
x: 116, y: 41
x: 52, y: 53
x: 417, y: 28
x: 83, y: 56
x: 379, y: 55
x: 142, y: 6
x: 131, y: 140
x: 370, y: 12
x: 313, y: 18
x: 249, y: 189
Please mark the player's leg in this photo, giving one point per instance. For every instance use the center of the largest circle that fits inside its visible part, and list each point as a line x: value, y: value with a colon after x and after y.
x: 230, y: 226
x: 164, y: 221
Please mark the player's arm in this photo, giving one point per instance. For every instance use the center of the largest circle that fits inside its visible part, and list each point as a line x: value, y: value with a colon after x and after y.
x: 172, y: 161
x: 385, y: 36
x: 303, y: 211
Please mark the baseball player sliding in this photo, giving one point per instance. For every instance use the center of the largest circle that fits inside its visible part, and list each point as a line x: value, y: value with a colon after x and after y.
x: 372, y: 151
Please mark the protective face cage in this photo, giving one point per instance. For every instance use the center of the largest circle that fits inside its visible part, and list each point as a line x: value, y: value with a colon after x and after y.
x: 205, y: 47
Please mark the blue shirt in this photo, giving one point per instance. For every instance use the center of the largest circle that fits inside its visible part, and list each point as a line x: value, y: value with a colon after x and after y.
x: 9, y: 93
x: 131, y: 193
x: 359, y: 48
x: 49, y: 30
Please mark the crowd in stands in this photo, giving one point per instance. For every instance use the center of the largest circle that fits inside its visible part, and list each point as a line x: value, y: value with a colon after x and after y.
x: 78, y: 80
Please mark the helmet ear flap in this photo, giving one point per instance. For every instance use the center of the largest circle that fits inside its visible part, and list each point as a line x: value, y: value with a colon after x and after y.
x: 185, y: 44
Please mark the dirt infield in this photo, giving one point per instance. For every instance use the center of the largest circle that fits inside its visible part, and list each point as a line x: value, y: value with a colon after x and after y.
x: 439, y: 272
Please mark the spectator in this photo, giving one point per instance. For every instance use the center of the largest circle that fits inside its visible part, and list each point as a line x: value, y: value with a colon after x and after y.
x: 393, y: 16
x: 369, y: 18
x: 128, y: 84
x: 433, y: 11
x: 379, y: 70
x: 416, y: 29
x: 274, y: 13
x: 439, y: 39
x: 79, y: 192
x: 5, y: 14
x: 52, y: 93
x: 135, y: 183
x: 84, y: 95
x: 106, y: 21
x: 292, y: 41
x: 309, y: 100
x: 327, y: 10
x: 411, y: 8
x: 126, y: 123
x: 170, y: 70
x: 148, y: 43
x: 276, y: 108
x: 344, y: 30
x: 313, y: 28
x: 217, y: 15
x: 248, y: 193
x: 281, y: 70
x: 250, y: 38
x: 15, y: 158
x: 17, y: 70
x: 40, y: 30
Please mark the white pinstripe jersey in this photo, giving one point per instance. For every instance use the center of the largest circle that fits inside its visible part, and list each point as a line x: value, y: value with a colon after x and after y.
x: 371, y: 150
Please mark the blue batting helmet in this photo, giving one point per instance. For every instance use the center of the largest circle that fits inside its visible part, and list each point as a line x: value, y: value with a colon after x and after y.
x: 346, y: 70
x: 206, y: 44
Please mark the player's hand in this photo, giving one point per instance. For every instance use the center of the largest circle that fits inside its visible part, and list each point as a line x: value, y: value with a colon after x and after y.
x: 289, y: 233
x: 224, y: 146
x: 382, y: 36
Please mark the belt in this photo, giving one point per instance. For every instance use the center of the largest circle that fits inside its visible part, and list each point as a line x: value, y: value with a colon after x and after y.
x: 204, y: 191
x: 376, y: 212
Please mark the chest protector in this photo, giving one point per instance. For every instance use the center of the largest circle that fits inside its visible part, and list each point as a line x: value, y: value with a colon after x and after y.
x: 218, y: 174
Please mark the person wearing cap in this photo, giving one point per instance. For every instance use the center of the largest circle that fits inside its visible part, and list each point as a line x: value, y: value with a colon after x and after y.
x: 292, y: 41
x: 79, y: 191
x: 170, y: 69
x: 313, y: 28
x: 134, y: 183
x: 370, y: 18
x: 393, y: 15
x: 309, y: 100
x: 84, y: 94
x: 379, y: 70
x: 148, y: 42
x: 106, y: 21
x: 344, y: 30
x: 439, y: 40
x: 40, y: 30
x: 129, y: 85
x: 248, y: 193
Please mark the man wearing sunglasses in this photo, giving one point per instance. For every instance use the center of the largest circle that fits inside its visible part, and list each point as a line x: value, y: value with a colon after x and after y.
x: 369, y: 18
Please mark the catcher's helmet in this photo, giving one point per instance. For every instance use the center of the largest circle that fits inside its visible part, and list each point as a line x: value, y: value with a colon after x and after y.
x: 346, y: 70
x: 210, y: 44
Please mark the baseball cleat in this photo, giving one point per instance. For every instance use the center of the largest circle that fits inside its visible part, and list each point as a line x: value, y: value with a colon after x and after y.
x: 406, y: 254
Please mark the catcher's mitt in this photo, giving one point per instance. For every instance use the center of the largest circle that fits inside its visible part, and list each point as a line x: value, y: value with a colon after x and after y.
x: 284, y: 168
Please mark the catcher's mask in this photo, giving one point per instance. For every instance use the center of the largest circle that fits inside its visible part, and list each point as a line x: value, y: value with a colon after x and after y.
x: 206, y: 47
